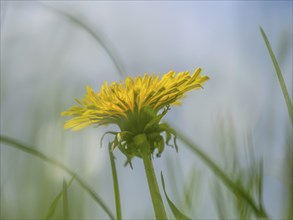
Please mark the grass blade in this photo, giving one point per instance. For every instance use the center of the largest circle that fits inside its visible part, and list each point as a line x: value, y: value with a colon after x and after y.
x: 220, y: 201
x: 16, y: 144
x: 233, y: 186
x: 279, y: 74
x: 176, y: 212
x: 54, y: 204
x: 115, y: 184
x: 113, y: 56
x: 65, y: 200
x: 191, y: 185
x: 121, y: 71
x: 260, y: 184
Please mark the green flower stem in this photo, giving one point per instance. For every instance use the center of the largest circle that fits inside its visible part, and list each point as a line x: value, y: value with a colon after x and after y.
x: 116, y: 185
x: 142, y: 143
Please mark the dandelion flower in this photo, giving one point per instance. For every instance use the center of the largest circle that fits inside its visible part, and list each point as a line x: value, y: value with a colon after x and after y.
x: 136, y: 105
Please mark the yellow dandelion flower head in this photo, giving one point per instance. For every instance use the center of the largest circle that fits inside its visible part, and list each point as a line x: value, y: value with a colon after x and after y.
x: 134, y: 105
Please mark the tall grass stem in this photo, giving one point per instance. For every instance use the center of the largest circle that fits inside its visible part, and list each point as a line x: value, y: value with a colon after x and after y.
x: 65, y: 201
x: 279, y: 74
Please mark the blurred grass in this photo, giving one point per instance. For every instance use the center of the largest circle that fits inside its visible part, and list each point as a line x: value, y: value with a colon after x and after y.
x: 65, y: 200
x: 190, y: 190
x: 279, y: 75
x: 246, y: 171
x: 233, y: 185
x: 97, y: 36
x: 20, y: 146
x: 55, y: 202
x: 288, y: 178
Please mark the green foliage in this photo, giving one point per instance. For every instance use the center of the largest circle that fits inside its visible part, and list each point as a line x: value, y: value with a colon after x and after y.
x: 65, y: 200
x: 151, y: 126
x: 55, y: 202
x: 191, y: 190
x: 279, y: 74
x: 246, y: 171
x: 176, y: 212
x: 142, y: 144
x: 115, y: 184
x: 231, y: 184
x: 13, y: 143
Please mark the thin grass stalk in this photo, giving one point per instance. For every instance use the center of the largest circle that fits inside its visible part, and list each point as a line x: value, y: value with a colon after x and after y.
x: 65, y: 201
x: 279, y: 74
x: 16, y: 144
x: 118, y: 65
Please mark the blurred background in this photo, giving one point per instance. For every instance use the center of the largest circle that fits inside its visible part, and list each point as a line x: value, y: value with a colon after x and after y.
x: 50, y: 51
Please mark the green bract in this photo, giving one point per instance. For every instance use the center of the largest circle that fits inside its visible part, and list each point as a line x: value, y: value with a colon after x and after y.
x: 158, y: 134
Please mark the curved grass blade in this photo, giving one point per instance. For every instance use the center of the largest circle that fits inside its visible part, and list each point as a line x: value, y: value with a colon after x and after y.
x: 54, y: 204
x: 65, y: 200
x: 113, y: 56
x: 230, y: 184
x: 16, y: 144
x: 279, y: 74
x: 175, y: 210
x: 115, y: 184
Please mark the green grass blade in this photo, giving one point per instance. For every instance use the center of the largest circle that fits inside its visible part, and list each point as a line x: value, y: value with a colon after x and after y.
x: 110, y: 51
x: 233, y: 186
x: 260, y: 184
x: 176, y: 212
x: 16, y: 144
x: 220, y: 201
x: 65, y: 200
x: 279, y: 74
x: 115, y: 184
x: 191, y: 186
x: 54, y: 204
